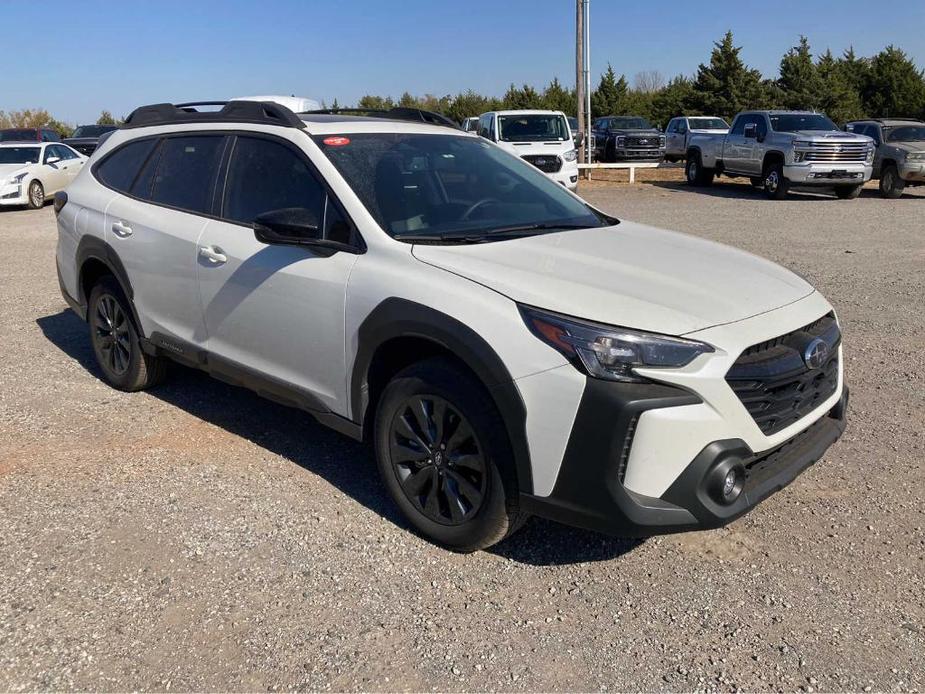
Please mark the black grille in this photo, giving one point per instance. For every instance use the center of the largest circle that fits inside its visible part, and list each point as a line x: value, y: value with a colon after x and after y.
x: 645, y: 142
x: 773, y: 381
x: 547, y: 163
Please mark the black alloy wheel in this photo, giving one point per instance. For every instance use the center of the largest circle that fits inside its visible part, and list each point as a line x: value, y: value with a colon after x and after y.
x: 438, y: 460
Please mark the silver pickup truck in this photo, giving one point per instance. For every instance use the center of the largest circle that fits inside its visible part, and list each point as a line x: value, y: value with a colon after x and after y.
x: 777, y: 149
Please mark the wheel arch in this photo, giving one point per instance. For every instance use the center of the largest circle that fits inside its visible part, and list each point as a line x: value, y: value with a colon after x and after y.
x: 95, y: 259
x: 774, y: 156
x: 399, y: 332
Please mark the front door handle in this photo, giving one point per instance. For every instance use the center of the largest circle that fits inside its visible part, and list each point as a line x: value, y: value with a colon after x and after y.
x: 121, y: 230
x: 213, y: 254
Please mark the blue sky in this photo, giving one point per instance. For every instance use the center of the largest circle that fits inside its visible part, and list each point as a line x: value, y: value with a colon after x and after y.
x: 116, y: 55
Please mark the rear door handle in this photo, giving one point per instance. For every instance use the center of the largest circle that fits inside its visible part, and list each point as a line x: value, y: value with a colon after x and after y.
x: 121, y: 230
x: 213, y: 254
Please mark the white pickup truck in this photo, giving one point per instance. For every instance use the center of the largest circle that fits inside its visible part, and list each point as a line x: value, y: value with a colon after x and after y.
x: 777, y: 149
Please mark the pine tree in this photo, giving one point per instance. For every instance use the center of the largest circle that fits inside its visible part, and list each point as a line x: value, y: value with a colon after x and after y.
x: 558, y: 98
x: 524, y: 98
x: 895, y: 87
x: 799, y: 80
x: 672, y: 100
x: 839, y: 98
x: 727, y: 85
x: 609, y: 99
x: 106, y: 118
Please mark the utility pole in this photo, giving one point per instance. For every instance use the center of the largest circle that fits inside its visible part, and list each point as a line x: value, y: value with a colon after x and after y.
x: 579, y: 72
x: 586, y: 51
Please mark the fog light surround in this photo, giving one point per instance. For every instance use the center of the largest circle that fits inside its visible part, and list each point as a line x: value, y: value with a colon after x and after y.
x: 726, y: 481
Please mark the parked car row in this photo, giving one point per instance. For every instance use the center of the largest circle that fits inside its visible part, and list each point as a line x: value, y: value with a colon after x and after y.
x: 32, y: 172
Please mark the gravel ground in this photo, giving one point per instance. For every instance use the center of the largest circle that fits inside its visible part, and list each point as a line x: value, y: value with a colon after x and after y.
x: 197, y: 537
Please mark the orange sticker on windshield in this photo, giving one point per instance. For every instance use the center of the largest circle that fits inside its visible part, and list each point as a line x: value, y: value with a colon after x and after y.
x: 336, y: 141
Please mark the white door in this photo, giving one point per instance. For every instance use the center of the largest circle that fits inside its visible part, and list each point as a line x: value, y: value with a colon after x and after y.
x: 156, y: 237
x: 53, y: 174
x: 277, y: 309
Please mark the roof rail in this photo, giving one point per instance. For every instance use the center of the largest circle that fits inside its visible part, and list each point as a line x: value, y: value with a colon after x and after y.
x: 397, y: 113
x: 263, y: 112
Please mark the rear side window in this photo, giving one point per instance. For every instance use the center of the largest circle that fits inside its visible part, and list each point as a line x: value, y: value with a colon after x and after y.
x: 186, y: 171
x: 119, y: 169
x: 265, y: 175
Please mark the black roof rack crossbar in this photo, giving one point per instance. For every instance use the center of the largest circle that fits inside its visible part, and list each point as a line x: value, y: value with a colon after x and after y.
x: 398, y: 113
x: 264, y: 112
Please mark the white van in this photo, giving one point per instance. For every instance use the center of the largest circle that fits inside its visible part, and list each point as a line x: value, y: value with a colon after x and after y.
x: 542, y: 138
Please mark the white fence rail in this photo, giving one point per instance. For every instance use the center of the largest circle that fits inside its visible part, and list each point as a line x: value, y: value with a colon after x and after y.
x: 631, y: 165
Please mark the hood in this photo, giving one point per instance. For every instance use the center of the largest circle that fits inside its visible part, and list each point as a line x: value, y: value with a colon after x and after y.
x: 917, y: 146
x: 829, y: 135
x: 709, y: 130
x: 80, y: 140
x: 7, y: 170
x: 633, y: 132
x: 543, y: 147
x: 628, y: 275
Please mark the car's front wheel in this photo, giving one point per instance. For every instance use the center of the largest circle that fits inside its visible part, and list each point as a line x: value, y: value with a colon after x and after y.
x: 115, y: 340
x: 36, y: 196
x: 444, y: 456
x: 776, y: 185
x: 891, y: 185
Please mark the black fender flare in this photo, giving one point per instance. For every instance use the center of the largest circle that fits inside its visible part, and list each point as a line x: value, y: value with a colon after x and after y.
x: 94, y: 248
x: 398, y: 318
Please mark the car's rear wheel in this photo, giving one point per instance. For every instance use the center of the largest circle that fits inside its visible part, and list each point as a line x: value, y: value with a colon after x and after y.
x: 36, y: 195
x: 891, y: 184
x: 776, y: 185
x: 444, y: 456
x: 115, y: 340
x: 848, y: 192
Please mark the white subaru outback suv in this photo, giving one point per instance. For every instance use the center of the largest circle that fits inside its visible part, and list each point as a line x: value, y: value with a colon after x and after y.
x: 506, y: 348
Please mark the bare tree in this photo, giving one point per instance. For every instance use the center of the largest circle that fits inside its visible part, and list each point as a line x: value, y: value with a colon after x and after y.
x: 648, y: 81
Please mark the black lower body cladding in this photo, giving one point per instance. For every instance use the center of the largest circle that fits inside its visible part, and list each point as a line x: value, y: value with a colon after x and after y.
x: 589, y: 491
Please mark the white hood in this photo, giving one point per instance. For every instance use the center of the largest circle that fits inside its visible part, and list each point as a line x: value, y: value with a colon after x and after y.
x: 8, y: 170
x: 550, y: 147
x: 628, y: 275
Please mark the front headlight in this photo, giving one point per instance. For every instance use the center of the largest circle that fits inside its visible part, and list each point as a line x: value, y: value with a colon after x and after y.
x: 608, y: 352
x: 915, y: 156
x: 17, y: 179
x: 870, y: 155
x: 661, y: 141
x: 571, y: 155
x: 621, y: 141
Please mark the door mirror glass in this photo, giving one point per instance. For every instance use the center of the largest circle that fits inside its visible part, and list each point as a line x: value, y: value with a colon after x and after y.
x: 292, y: 225
x: 751, y: 131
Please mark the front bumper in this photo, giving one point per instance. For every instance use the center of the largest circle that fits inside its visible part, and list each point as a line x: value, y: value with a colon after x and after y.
x: 828, y: 174
x: 13, y: 194
x: 589, y: 492
x: 914, y: 172
x: 639, y: 154
x: 567, y: 176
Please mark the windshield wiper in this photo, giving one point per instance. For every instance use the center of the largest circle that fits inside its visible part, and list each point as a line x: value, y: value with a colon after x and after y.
x: 489, y: 235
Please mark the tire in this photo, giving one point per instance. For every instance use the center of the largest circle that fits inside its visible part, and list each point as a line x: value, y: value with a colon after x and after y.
x: 115, y: 340
x: 776, y: 186
x: 35, y: 196
x: 610, y: 153
x: 695, y: 173
x: 444, y: 456
x: 757, y: 182
x: 848, y: 192
x: 891, y: 185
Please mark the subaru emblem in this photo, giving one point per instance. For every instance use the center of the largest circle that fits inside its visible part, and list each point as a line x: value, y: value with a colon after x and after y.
x: 816, y: 353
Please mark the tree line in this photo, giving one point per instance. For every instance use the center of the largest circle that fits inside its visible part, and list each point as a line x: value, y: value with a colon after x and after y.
x: 844, y: 87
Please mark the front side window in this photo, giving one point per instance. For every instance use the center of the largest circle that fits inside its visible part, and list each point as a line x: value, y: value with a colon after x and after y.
x: 485, y: 127
x: 907, y: 133
x: 538, y: 127
x: 445, y: 186
x: 19, y: 155
x: 186, y: 171
x: 119, y: 169
x: 265, y: 175
x: 794, y: 122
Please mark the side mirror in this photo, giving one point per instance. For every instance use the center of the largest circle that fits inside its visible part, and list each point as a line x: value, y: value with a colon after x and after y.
x: 751, y: 131
x: 289, y: 226
x: 579, y: 139
x: 52, y: 160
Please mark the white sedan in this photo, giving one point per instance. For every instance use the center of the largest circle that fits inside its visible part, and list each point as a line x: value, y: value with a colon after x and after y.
x: 31, y: 173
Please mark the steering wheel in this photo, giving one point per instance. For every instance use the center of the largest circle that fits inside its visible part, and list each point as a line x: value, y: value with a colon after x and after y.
x: 476, y: 205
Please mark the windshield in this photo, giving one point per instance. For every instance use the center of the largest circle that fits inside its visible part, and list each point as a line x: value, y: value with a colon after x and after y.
x: 708, y: 124
x: 444, y: 185
x: 19, y: 155
x: 573, y: 124
x: 792, y: 122
x: 906, y: 133
x: 631, y: 123
x: 17, y: 135
x: 92, y: 130
x: 536, y: 127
